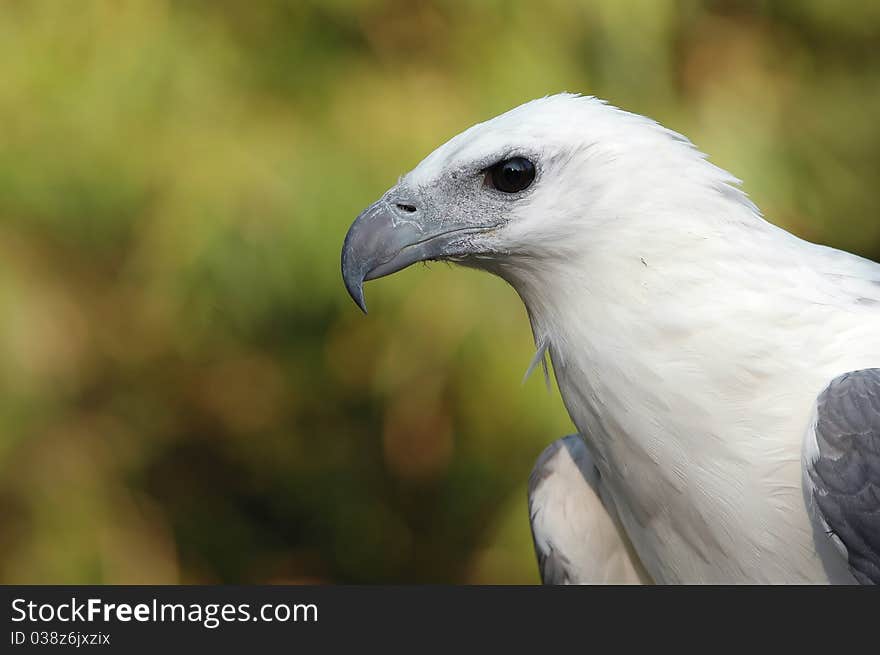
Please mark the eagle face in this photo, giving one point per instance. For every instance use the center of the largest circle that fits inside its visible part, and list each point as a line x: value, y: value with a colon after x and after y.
x: 530, y: 189
x: 488, y: 194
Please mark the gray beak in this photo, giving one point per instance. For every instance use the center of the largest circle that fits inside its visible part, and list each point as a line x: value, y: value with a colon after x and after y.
x: 389, y: 236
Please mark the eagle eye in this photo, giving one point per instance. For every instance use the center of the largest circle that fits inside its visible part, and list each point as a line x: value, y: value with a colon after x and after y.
x: 511, y: 175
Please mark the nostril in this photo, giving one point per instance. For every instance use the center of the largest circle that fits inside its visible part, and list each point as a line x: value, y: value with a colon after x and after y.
x: 407, y: 208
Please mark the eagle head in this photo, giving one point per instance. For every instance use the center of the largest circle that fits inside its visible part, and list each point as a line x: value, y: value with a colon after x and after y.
x: 527, y: 189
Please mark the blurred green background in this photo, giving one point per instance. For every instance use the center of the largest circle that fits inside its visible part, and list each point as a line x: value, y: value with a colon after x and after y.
x: 187, y: 394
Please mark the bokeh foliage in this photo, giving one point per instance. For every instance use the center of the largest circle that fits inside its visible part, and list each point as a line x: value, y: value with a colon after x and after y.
x: 186, y: 392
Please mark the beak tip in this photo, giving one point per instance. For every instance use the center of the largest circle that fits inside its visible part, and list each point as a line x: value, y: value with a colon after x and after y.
x: 354, y: 284
x: 353, y: 274
x: 361, y: 302
x: 357, y: 294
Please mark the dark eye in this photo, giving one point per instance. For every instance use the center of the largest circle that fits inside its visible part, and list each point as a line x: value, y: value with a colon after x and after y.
x: 511, y: 175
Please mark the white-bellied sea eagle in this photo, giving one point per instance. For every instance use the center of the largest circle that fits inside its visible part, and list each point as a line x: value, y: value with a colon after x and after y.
x: 721, y: 372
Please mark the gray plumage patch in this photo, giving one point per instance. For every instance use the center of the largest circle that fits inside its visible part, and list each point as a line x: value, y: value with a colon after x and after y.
x: 846, y: 473
x: 552, y: 563
x: 541, y: 471
x: 554, y: 566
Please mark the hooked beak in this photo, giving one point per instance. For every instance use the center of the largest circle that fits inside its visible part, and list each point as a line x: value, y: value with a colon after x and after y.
x: 388, y: 237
